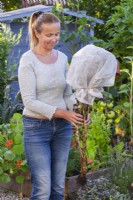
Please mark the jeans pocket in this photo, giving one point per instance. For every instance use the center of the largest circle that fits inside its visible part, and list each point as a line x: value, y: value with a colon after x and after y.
x: 66, y: 121
x: 31, y: 123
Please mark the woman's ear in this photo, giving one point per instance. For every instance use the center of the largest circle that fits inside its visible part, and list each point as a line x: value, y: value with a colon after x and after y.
x: 36, y: 34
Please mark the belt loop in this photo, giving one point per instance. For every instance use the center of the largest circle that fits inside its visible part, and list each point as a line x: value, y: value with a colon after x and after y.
x: 40, y: 122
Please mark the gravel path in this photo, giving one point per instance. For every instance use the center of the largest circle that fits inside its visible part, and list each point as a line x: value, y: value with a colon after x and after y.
x: 9, y: 195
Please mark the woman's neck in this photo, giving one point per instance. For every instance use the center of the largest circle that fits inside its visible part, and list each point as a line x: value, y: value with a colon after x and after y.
x: 45, y: 56
x: 41, y: 51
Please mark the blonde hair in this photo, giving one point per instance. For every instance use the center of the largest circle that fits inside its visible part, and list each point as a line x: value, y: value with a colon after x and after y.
x: 35, y: 24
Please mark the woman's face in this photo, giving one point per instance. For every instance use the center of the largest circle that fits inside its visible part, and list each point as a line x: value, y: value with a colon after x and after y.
x: 49, y: 36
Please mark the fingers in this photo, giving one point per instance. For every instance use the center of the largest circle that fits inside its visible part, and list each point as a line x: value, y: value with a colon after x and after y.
x: 78, y: 122
x: 87, y: 122
x: 79, y: 115
x: 78, y: 119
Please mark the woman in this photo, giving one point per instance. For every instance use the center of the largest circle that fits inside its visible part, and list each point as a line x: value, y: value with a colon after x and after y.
x: 48, y: 103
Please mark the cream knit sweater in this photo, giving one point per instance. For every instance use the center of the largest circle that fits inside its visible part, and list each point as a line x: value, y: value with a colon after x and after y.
x: 43, y: 86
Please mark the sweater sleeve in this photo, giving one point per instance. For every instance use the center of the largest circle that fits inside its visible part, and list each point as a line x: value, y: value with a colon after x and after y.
x: 27, y: 83
x: 68, y: 94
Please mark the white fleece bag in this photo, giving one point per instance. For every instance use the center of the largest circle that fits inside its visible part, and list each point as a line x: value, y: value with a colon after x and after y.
x: 91, y: 69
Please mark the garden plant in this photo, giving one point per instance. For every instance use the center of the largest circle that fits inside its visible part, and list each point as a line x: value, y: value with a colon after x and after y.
x: 8, y: 106
x: 12, y: 159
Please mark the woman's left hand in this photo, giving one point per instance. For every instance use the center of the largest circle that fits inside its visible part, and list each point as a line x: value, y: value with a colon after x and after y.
x: 86, y: 123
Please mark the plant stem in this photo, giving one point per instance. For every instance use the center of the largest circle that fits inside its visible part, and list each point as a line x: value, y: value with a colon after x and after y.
x: 83, y: 110
x: 131, y: 104
x: 20, y: 193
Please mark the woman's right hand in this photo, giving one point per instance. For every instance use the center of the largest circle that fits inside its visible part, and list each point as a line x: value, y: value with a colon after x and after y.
x: 71, y: 116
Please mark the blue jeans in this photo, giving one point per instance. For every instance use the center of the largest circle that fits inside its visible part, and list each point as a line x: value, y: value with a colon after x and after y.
x: 46, y: 145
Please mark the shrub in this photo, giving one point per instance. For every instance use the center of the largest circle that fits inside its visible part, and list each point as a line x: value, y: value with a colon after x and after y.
x: 119, y: 27
x: 12, y: 159
x: 7, y: 41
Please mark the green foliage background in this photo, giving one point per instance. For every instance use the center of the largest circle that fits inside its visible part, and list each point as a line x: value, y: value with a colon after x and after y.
x: 7, y: 41
x: 11, y: 4
x: 101, y: 9
x: 119, y: 28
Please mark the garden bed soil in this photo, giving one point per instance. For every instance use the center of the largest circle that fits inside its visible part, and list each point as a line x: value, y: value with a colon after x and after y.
x: 9, y: 195
x: 15, y: 187
x: 71, y: 184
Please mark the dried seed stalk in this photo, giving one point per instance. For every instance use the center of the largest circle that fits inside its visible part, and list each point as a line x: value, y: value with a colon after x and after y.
x: 81, y: 137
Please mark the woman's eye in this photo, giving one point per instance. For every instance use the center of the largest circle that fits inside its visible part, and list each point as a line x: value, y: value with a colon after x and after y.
x: 50, y: 35
x: 57, y: 34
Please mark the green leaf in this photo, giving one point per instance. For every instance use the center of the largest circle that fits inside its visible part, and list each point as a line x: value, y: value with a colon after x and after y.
x: 9, y: 155
x: 117, y: 120
x: 16, y: 123
x: 6, y: 166
x: 123, y: 86
x: 5, y: 178
x: 18, y: 139
x: 107, y: 95
x: 123, y: 91
x: 19, y: 179
x: 1, y: 160
x: 1, y: 138
x: 24, y: 168
x: 67, y: 22
x: 18, y: 149
x: 6, y: 126
x: 129, y: 58
x: 125, y: 70
x: 130, y: 47
x: 127, y: 104
x: 1, y: 170
x: 119, y: 147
